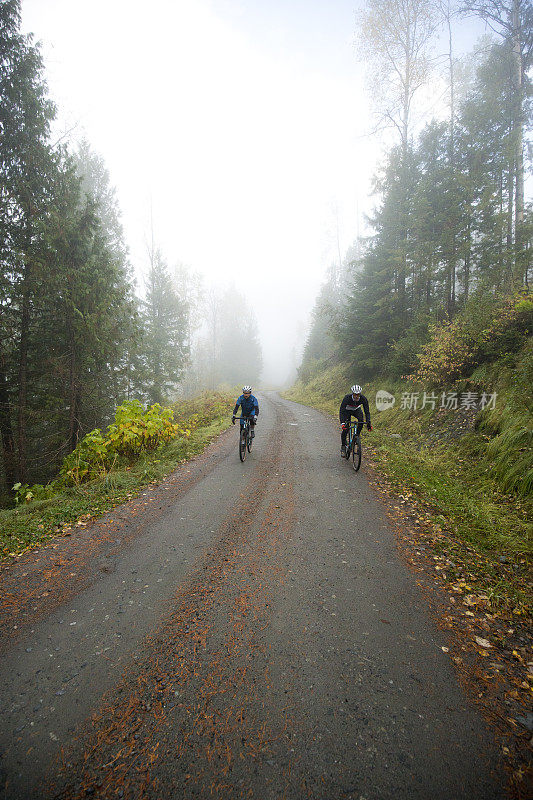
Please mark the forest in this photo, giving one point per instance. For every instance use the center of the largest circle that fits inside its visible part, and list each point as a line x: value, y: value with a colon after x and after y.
x: 179, y: 621
x: 451, y: 231
x: 449, y: 241
x: 78, y: 337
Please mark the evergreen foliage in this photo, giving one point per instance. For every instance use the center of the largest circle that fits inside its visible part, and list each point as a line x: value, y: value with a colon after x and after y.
x: 449, y: 226
x: 65, y: 300
x: 165, y: 348
x: 74, y: 341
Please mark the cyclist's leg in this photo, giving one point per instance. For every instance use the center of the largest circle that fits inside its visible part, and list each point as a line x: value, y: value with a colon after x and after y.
x: 344, y: 432
x: 359, y: 416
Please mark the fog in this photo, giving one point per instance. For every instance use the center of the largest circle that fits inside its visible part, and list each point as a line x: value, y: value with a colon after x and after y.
x: 241, y: 128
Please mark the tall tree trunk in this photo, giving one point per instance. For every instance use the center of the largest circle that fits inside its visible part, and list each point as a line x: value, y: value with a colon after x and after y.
x: 6, y: 428
x: 402, y: 271
x: 507, y: 17
x: 452, y: 255
x: 510, y: 244
x: 518, y: 136
x: 467, y: 258
x: 74, y: 427
x: 74, y: 391
x: 23, y: 382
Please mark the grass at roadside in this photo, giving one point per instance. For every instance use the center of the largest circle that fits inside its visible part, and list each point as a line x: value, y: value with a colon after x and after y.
x: 440, y: 461
x: 35, y: 522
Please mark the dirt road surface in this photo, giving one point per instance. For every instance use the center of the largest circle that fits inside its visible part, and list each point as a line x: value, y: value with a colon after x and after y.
x: 249, y: 631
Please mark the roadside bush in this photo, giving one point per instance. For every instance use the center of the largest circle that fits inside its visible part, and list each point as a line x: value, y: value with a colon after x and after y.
x: 136, y: 430
x: 482, y: 331
x: 25, y: 493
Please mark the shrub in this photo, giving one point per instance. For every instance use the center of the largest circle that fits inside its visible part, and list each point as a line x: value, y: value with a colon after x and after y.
x: 481, y: 332
x: 202, y: 410
x: 25, y: 493
x: 136, y: 430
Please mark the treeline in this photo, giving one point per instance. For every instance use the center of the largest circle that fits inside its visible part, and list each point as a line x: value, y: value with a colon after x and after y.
x: 226, y: 349
x: 75, y: 340
x: 452, y: 226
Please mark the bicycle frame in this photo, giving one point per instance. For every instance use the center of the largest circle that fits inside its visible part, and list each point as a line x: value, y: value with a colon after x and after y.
x: 246, y: 419
x: 353, y: 444
x: 245, y: 442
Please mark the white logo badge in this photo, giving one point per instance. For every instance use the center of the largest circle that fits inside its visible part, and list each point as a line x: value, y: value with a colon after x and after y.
x: 384, y: 400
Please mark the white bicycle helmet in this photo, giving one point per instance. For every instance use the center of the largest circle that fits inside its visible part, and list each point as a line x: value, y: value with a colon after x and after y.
x: 246, y: 389
x: 356, y: 389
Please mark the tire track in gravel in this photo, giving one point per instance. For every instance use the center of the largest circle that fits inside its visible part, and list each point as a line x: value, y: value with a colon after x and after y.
x: 56, y: 677
x: 39, y: 581
x: 193, y: 711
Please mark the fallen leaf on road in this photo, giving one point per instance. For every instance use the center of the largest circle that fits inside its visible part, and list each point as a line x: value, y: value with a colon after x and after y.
x: 482, y: 642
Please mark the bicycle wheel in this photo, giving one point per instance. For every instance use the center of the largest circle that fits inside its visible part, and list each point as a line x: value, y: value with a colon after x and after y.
x: 357, y: 451
x: 242, y: 444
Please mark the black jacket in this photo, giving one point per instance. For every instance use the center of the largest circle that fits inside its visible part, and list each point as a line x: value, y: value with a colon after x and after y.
x: 349, y: 406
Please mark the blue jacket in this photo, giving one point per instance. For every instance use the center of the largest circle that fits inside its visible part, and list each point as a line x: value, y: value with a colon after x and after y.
x: 249, y: 406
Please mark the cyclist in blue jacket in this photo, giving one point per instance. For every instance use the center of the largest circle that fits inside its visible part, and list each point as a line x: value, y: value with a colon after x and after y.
x: 249, y: 408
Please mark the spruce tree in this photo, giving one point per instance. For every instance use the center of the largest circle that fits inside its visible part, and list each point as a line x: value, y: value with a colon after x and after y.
x: 164, y: 345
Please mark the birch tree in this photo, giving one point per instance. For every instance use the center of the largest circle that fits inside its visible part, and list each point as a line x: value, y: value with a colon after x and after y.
x: 395, y: 36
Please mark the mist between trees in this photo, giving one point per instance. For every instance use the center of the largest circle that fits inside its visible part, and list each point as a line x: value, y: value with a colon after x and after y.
x: 75, y: 339
x: 451, y: 230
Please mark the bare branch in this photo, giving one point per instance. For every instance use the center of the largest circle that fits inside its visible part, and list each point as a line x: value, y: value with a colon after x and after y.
x: 65, y: 135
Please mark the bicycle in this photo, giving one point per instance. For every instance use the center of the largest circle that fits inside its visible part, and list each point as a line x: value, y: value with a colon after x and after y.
x: 354, y: 447
x: 245, y: 438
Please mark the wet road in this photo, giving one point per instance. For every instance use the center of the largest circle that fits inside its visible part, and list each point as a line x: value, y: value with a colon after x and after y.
x: 261, y: 638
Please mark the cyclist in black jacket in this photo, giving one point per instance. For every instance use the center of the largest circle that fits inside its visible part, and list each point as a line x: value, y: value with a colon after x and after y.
x: 351, y: 406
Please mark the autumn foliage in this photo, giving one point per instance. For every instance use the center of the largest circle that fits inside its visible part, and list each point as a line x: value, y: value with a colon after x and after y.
x: 483, y: 331
x: 136, y: 430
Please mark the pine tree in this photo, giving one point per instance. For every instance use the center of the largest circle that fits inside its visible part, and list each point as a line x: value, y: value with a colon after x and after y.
x: 26, y: 163
x: 164, y: 346
x: 513, y: 21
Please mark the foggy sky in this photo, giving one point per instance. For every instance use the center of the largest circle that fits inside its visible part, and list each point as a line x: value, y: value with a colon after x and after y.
x: 240, y: 126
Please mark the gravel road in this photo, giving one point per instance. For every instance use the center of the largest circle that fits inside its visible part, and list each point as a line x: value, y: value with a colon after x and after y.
x: 258, y: 637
